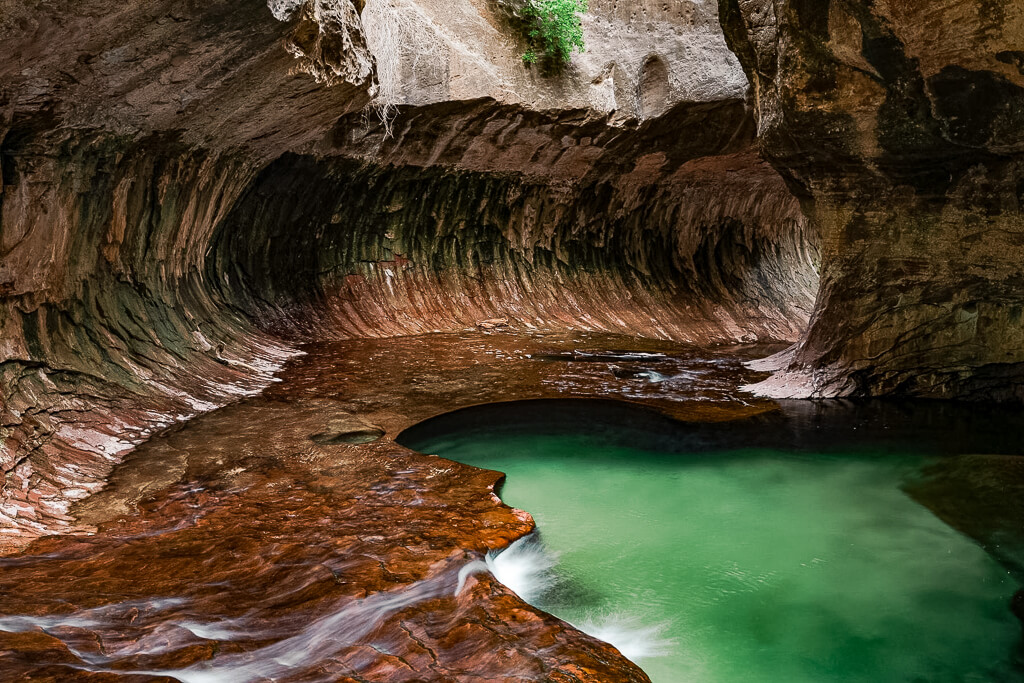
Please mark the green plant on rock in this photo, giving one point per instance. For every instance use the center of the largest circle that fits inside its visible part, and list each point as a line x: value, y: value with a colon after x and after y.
x: 553, y: 28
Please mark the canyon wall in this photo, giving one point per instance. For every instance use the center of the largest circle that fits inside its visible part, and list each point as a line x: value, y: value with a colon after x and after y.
x: 901, y: 127
x: 191, y: 189
x: 126, y: 135
x: 622, y: 193
x: 544, y: 220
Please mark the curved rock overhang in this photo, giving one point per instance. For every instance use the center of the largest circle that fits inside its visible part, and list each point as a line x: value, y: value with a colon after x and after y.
x: 126, y: 133
x: 672, y: 229
x: 189, y: 191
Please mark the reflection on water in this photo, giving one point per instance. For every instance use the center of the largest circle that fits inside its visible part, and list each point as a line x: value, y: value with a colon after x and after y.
x: 707, y: 562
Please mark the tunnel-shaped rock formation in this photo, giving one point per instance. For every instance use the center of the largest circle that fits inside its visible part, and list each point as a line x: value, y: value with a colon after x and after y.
x: 126, y: 132
x: 190, y: 190
x: 639, y: 230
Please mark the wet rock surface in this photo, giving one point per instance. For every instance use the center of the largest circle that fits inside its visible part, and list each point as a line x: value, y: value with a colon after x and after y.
x: 348, y: 429
x: 126, y: 131
x: 236, y: 544
x: 189, y: 190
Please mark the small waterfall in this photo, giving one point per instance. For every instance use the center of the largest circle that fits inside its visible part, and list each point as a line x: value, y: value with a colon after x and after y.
x: 161, y: 625
x: 316, y: 641
x: 528, y: 569
x: 468, y: 571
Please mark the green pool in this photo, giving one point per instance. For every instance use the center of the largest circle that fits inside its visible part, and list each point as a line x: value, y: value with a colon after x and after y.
x: 706, y: 561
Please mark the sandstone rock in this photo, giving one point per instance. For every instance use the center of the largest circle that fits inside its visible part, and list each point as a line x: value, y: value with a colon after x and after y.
x: 347, y: 429
x: 641, y: 57
x: 899, y: 125
x: 258, y: 541
x: 126, y: 133
x: 188, y: 189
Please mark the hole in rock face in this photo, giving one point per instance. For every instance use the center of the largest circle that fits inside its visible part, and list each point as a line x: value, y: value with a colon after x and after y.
x: 654, y: 87
x: 805, y: 545
x: 346, y: 429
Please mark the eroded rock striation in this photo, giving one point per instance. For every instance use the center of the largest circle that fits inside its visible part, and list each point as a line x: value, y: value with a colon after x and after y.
x: 189, y: 190
x: 127, y: 132
x: 192, y: 189
x: 580, y: 227
x: 900, y: 127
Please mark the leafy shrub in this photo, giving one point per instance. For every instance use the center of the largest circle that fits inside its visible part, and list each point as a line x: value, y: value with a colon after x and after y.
x: 553, y: 28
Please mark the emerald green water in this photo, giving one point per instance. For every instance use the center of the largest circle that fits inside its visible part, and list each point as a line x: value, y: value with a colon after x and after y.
x: 766, y: 564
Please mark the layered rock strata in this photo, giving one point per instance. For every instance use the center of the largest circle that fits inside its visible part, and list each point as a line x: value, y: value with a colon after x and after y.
x: 547, y: 220
x: 126, y: 135
x: 900, y: 126
x: 188, y: 190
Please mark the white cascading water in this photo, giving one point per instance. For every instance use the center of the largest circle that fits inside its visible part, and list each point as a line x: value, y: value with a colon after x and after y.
x: 630, y: 636
x: 528, y: 569
x: 316, y: 641
x: 525, y: 567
